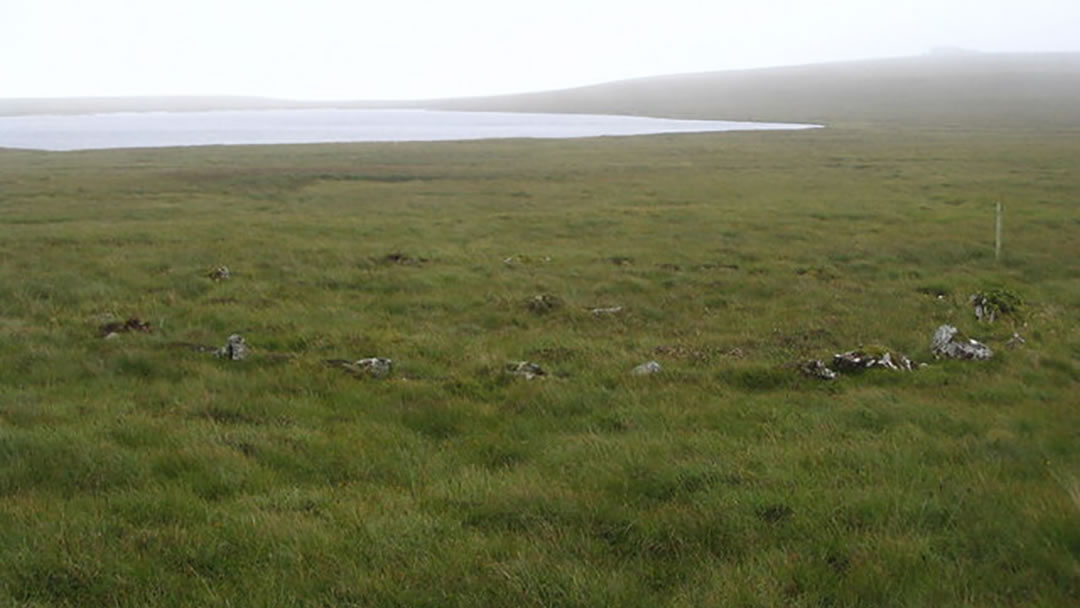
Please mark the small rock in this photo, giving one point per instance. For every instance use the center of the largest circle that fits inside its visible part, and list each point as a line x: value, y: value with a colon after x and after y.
x: 235, y: 348
x: 378, y: 367
x: 525, y: 369
x: 543, y: 303
x: 1016, y: 341
x: 220, y: 273
x: 374, y: 367
x: 525, y: 259
x: 816, y: 369
x: 405, y: 260
x: 604, y: 312
x: 111, y: 330
x: 945, y: 344
x: 647, y: 368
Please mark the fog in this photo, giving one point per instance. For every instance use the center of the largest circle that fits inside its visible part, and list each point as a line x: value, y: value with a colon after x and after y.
x: 410, y: 49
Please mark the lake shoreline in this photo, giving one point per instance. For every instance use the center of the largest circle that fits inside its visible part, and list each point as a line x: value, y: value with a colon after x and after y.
x: 164, y: 129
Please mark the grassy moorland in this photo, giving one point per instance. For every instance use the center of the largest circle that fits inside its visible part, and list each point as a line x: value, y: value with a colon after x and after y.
x: 136, y: 471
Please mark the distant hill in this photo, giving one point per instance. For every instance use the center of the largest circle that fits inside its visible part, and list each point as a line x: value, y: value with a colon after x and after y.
x: 945, y: 89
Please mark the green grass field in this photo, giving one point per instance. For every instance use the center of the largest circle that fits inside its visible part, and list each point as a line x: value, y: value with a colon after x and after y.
x: 136, y: 471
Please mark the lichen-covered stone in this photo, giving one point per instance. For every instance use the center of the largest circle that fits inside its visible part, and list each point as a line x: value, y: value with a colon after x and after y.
x: 605, y: 312
x: 376, y: 367
x: 112, y: 330
x: 543, y: 303
x: 855, y: 361
x: 816, y: 368
x: 220, y: 273
x: 235, y: 348
x: 647, y: 368
x: 525, y: 369
x: 1016, y: 341
x: 945, y: 343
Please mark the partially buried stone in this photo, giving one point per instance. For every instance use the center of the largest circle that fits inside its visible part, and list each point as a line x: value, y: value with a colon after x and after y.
x: 525, y: 369
x: 543, y: 303
x: 220, y: 273
x: 816, y: 369
x: 647, y: 368
x: 376, y: 367
x: 1016, y: 341
x: 946, y: 344
x: 604, y: 312
x: 111, y: 330
x: 235, y: 348
x: 857, y: 361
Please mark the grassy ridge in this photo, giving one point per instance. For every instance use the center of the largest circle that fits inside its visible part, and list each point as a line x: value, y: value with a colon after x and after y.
x: 986, y: 91
x: 136, y: 472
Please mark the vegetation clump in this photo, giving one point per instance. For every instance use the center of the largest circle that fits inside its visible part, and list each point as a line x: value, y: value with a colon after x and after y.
x: 992, y: 304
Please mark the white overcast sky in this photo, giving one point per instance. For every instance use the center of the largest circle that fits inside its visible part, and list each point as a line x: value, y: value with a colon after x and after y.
x: 399, y: 49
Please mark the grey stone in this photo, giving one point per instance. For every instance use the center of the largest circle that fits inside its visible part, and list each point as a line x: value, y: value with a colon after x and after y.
x: 525, y: 369
x: 376, y: 367
x: 946, y: 344
x: 235, y: 348
x: 543, y: 303
x: 605, y: 312
x: 855, y: 361
x: 647, y: 368
x: 220, y: 273
x: 816, y: 369
x: 1016, y: 341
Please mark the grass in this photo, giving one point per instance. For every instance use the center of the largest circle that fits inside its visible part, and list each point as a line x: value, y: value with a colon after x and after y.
x: 139, y: 473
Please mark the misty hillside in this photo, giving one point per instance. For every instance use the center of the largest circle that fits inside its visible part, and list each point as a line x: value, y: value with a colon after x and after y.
x: 1014, y: 90
x: 962, y: 90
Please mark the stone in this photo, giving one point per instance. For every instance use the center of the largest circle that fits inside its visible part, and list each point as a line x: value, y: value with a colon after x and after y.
x: 605, y: 312
x: 235, y: 348
x: 525, y: 369
x: 543, y: 303
x: 946, y: 344
x: 647, y: 368
x: 112, y: 330
x: 1016, y: 341
x: 220, y: 273
x: 521, y: 259
x: 403, y: 260
x: 855, y: 361
x: 376, y: 367
x: 816, y: 368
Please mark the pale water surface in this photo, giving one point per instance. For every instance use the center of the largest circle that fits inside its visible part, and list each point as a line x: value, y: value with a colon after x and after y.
x: 161, y: 129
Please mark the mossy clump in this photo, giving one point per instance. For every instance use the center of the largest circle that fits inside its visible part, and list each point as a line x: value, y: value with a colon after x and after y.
x: 992, y: 304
